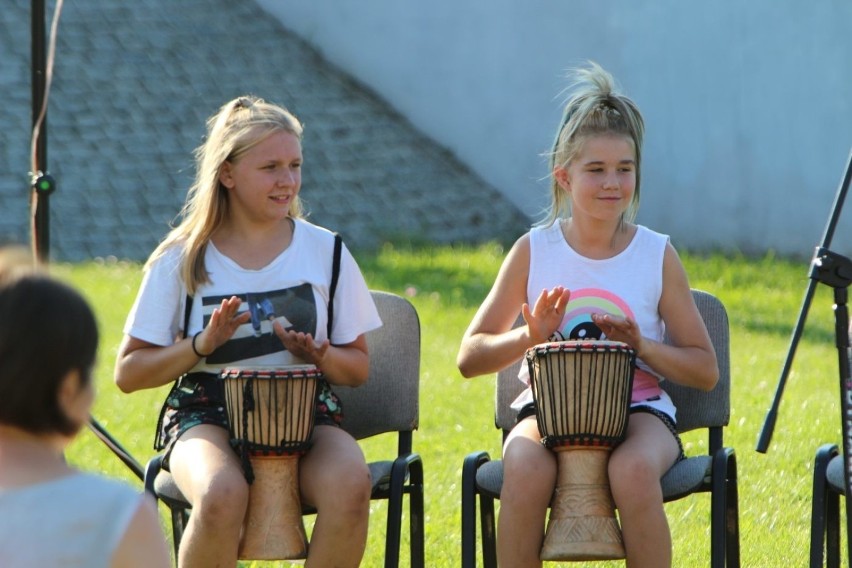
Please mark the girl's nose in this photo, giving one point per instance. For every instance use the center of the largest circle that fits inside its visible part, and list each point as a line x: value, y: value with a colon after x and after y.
x: 287, y: 178
x: 611, y: 181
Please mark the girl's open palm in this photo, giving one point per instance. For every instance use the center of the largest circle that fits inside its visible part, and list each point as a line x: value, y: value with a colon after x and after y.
x: 547, y: 313
x: 618, y: 328
x: 223, y: 323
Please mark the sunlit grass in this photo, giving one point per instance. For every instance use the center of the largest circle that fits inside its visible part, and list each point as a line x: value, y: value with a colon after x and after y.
x: 446, y: 284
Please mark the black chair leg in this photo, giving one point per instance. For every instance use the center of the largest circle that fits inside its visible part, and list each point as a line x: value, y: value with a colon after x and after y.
x: 179, y: 520
x: 733, y: 516
x: 832, y: 529
x: 468, y: 507
x: 489, y: 536
x: 724, y: 511
x: 418, y: 555
x: 824, y: 508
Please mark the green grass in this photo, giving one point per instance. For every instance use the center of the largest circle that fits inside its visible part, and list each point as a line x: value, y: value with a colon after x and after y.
x: 446, y: 284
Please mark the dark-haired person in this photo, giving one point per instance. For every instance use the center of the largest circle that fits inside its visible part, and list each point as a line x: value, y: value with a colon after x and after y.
x: 50, y: 513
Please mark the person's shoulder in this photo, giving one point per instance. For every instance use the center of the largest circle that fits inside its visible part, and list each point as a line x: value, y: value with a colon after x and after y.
x: 307, y: 226
x: 312, y: 232
x: 652, y: 238
x: 520, y: 251
x: 166, y: 257
x: 651, y: 233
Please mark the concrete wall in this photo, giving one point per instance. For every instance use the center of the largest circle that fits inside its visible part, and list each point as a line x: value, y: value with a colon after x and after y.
x: 748, y: 105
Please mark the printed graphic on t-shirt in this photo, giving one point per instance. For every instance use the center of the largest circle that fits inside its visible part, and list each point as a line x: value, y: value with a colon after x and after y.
x: 295, y: 308
x: 577, y: 323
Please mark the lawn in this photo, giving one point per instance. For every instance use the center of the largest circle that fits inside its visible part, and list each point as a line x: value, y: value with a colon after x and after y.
x: 446, y: 284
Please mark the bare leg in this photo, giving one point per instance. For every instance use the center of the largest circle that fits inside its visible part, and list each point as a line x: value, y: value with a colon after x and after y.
x: 334, y: 478
x: 635, y: 470
x: 211, y: 477
x: 529, y: 475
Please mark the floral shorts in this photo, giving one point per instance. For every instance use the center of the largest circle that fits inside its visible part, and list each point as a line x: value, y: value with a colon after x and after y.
x: 199, y: 398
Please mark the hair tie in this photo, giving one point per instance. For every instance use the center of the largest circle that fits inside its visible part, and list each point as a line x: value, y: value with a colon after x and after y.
x: 195, y: 349
x: 566, y: 116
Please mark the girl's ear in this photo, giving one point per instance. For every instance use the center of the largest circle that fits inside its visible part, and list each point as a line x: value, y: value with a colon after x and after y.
x: 75, y: 397
x: 560, y: 174
x: 225, y: 176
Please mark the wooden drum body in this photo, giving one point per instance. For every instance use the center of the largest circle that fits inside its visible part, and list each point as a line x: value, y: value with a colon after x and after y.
x: 582, y: 391
x: 271, y: 411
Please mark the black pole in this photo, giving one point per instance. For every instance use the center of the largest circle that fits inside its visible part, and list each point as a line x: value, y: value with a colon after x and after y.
x: 772, y: 415
x: 42, y: 185
x: 116, y: 448
x: 836, y: 271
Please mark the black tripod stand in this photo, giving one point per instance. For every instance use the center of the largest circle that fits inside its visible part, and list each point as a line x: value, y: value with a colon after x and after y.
x: 43, y: 185
x: 836, y: 271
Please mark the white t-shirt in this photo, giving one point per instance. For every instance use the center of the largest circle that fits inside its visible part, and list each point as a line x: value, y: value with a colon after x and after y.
x: 76, y: 521
x: 293, y: 288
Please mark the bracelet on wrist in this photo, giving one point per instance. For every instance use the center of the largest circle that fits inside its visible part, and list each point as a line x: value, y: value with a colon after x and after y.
x: 195, y: 349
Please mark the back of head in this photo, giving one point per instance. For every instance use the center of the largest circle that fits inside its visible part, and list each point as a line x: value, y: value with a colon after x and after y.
x: 46, y: 330
x: 595, y: 107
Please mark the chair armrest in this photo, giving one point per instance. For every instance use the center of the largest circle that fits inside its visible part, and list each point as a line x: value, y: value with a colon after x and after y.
x: 152, y: 468
x: 724, y: 492
x: 406, y: 466
x: 725, y: 464
x: 472, y: 462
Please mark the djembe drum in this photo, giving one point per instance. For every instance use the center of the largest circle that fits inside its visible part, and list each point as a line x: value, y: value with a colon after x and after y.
x: 271, y: 411
x: 582, y: 392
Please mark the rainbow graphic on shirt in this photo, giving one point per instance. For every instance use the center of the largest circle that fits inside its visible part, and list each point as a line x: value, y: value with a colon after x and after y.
x: 578, y: 324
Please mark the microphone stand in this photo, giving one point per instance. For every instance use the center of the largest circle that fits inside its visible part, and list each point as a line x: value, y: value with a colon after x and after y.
x: 828, y: 234
x: 43, y: 184
x: 836, y: 271
x: 833, y: 270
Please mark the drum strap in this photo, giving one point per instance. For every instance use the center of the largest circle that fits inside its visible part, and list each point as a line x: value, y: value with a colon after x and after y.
x: 158, y: 435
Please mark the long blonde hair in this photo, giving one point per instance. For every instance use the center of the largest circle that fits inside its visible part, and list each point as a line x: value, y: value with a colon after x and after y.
x: 595, y: 108
x: 237, y: 126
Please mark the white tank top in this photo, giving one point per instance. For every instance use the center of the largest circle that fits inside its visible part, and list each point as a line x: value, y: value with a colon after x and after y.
x: 628, y: 284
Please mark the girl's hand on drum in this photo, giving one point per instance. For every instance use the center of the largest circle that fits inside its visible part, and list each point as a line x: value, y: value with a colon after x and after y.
x: 224, y: 321
x: 301, y: 345
x: 546, y: 316
x: 622, y: 329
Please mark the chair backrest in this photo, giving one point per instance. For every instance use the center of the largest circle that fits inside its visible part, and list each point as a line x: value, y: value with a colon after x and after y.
x: 707, y: 409
x: 390, y: 399
x: 695, y: 408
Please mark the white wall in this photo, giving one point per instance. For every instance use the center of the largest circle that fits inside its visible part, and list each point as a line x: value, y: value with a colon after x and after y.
x: 748, y: 105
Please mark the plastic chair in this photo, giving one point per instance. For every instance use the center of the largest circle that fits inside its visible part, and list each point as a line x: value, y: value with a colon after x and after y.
x: 715, y: 472
x: 825, y: 512
x: 387, y: 403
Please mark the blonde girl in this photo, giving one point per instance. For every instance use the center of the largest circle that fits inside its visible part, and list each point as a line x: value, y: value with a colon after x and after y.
x: 250, y: 277
x: 588, y: 246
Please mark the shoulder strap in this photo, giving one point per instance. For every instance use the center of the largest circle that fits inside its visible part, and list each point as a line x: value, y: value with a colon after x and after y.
x: 186, y: 311
x: 335, y: 273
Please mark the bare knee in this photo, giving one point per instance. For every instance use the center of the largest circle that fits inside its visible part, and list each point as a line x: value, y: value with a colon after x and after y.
x: 348, y: 493
x: 223, y: 499
x: 528, y: 477
x: 634, y: 479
